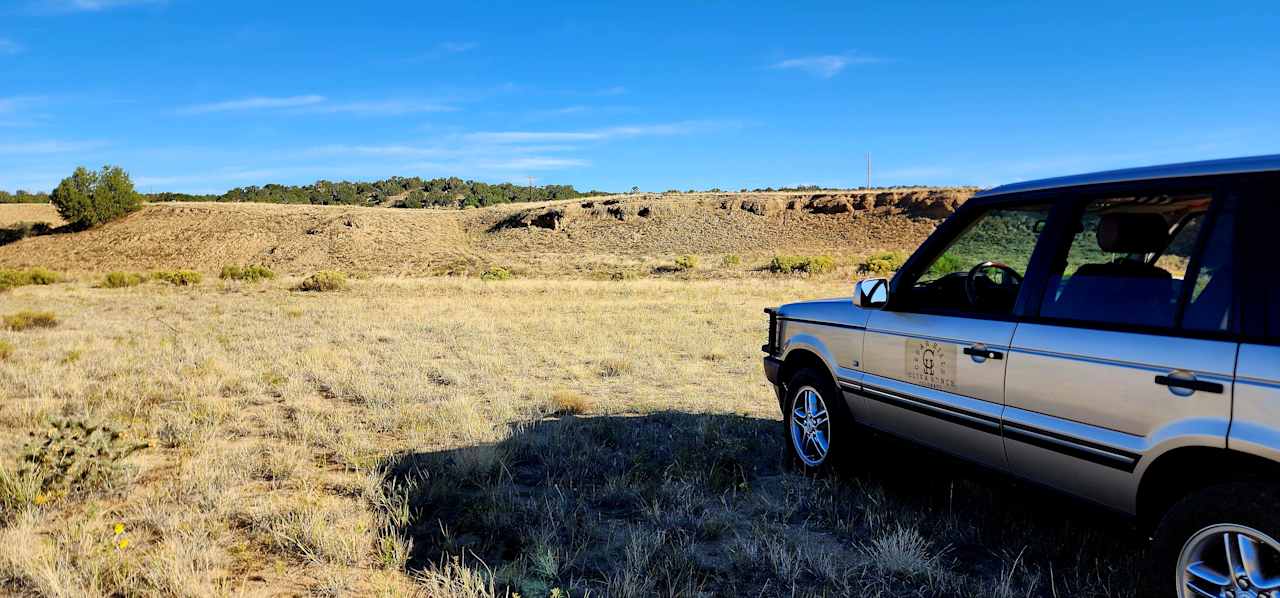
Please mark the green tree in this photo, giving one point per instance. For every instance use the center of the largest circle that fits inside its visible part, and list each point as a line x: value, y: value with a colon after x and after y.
x: 87, y: 198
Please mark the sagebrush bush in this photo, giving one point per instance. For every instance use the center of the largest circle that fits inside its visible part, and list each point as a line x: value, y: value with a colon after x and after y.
x: 496, y: 273
x: 686, y: 262
x: 119, y: 280
x: 26, y: 320
x: 179, y: 278
x: 809, y: 264
x: 883, y: 262
x: 731, y: 260
x: 324, y: 280
x: 74, y: 455
x: 10, y: 278
x: 250, y: 273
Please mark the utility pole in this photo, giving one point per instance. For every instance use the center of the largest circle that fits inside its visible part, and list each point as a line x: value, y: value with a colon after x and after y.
x: 531, y: 188
x: 868, y: 171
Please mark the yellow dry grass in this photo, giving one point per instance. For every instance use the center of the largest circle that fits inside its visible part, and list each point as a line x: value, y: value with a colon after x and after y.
x: 457, y: 437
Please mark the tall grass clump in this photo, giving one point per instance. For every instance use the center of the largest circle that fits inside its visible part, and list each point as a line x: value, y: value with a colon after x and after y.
x: 6, y: 350
x: 324, y: 280
x: 119, y: 280
x: 808, y: 264
x: 250, y: 273
x: 178, y: 278
x: 883, y: 262
x: 26, y: 320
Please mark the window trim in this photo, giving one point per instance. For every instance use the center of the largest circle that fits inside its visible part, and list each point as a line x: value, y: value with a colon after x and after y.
x: 1255, y: 205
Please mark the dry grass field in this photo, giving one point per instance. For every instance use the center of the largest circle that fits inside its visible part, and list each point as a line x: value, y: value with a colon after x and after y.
x: 456, y: 437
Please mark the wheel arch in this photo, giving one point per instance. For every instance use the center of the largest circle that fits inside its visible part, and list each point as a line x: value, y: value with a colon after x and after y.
x: 1182, y: 471
x: 798, y: 358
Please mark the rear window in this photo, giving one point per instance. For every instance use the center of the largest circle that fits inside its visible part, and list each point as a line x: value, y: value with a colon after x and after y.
x: 1154, y: 261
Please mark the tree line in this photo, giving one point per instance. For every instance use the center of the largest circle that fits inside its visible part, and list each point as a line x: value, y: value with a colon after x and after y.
x: 21, y: 196
x: 403, y: 192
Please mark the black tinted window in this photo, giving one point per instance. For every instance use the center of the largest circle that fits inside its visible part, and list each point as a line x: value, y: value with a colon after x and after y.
x: 1129, y: 261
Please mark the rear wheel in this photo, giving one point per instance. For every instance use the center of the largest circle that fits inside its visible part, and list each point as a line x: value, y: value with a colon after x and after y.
x: 1220, y: 542
x: 818, y: 427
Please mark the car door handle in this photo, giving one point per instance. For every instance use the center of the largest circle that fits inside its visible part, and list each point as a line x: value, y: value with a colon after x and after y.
x: 984, y: 353
x: 1191, y: 384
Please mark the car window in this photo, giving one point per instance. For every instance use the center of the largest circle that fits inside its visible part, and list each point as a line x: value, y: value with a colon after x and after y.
x: 1129, y: 259
x: 981, y: 269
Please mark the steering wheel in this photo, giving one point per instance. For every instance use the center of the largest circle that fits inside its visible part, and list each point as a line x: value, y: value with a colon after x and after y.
x: 971, y: 289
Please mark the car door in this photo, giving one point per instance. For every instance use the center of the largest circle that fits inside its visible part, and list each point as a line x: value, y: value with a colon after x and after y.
x: 934, y: 356
x: 1255, y: 424
x: 1132, y: 352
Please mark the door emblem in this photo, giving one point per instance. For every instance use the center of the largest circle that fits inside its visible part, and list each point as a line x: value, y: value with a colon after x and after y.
x: 931, y: 363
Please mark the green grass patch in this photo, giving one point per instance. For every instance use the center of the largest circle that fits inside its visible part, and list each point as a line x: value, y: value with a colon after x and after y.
x: 496, y: 273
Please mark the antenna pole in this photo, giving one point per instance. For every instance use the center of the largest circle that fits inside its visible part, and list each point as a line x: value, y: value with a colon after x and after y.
x: 868, y: 171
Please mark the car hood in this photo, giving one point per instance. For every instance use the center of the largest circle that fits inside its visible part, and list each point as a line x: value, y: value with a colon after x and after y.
x: 840, y: 310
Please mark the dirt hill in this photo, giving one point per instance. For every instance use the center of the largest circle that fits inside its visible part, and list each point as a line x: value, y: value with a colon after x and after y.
x: 551, y: 237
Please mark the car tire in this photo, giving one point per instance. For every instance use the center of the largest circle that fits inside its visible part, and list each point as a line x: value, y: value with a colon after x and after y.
x: 1200, y: 529
x: 816, y: 423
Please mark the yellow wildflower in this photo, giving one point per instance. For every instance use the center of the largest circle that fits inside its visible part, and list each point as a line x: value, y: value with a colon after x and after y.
x: 40, y: 499
x: 119, y: 528
x: 123, y: 543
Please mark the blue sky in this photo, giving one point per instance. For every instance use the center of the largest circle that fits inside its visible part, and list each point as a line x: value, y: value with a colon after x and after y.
x: 204, y: 95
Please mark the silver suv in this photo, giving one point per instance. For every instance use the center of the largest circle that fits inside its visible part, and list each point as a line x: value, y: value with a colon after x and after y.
x: 1115, y: 336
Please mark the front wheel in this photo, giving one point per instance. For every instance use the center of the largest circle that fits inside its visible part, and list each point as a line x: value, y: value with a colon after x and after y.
x: 1219, y: 542
x: 817, y: 423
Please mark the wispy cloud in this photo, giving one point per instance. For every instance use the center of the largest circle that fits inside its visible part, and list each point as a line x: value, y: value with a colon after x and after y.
x: 825, y: 66
x: 253, y: 103
x: 379, y: 107
x: 65, y: 6
x: 317, y: 104
x: 615, y: 90
x: 50, y: 146
x: 8, y: 47
x: 680, y: 128
x: 457, y: 47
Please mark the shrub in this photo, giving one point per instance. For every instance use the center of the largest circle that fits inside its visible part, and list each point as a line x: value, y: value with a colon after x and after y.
x: 251, y: 273
x: 946, y: 264
x: 686, y: 262
x: 324, y: 280
x: 178, y: 278
x: 6, y: 350
x: 731, y: 260
x: 788, y: 264
x: 87, y: 198
x: 119, y: 280
x: 496, y: 273
x: 72, y: 455
x: 883, y: 262
x: 10, y: 278
x: 567, y: 402
x: 26, y: 320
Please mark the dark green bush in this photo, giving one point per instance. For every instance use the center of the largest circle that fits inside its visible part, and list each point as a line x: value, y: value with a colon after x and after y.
x: 87, y: 198
x: 178, y: 278
x: 324, y: 280
x: 251, y: 273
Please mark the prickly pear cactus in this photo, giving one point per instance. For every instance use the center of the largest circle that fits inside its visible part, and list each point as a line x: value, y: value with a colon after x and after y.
x: 73, y: 454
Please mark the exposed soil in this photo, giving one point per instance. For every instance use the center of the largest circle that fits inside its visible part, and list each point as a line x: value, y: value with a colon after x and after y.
x: 545, y: 237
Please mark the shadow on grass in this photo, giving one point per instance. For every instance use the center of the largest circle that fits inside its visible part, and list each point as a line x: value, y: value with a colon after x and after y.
x: 703, y: 504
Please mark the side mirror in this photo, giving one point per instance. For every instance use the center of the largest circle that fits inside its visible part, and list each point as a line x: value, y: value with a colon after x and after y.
x: 871, y: 293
